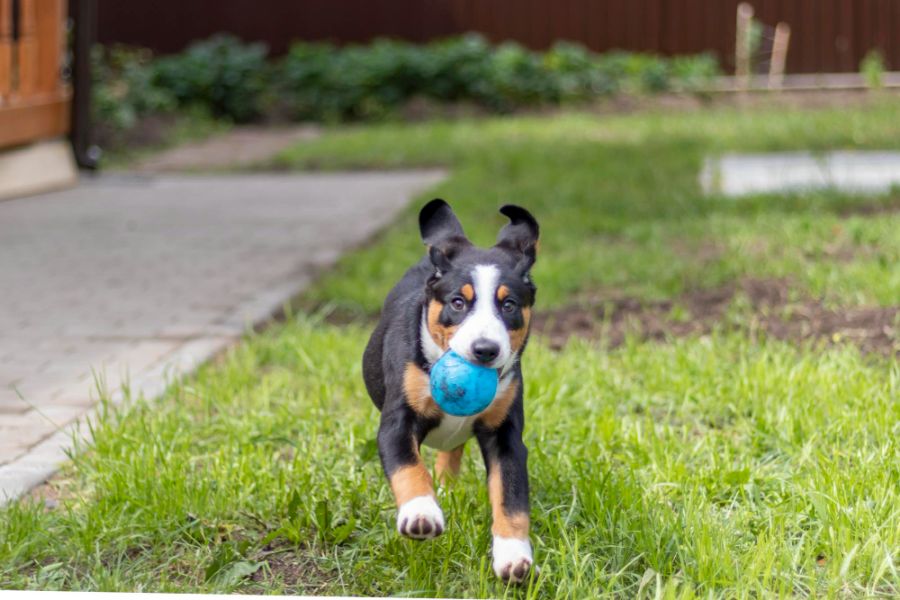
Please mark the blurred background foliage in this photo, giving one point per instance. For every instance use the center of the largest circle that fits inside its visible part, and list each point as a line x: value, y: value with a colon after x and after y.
x: 227, y: 79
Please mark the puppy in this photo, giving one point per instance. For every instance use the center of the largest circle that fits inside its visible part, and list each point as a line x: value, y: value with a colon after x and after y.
x: 477, y: 302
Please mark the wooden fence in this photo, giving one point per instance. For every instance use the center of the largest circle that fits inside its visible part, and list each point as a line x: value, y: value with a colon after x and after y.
x: 34, y: 100
x: 827, y: 35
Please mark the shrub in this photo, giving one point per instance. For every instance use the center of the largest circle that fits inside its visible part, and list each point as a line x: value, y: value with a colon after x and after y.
x: 872, y: 68
x: 516, y: 77
x: 456, y: 68
x: 577, y: 72
x: 221, y: 73
x: 694, y: 73
x: 124, y: 88
x: 323, y: 82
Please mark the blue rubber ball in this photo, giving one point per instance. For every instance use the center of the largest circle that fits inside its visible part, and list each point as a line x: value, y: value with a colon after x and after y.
x: 462, y: 388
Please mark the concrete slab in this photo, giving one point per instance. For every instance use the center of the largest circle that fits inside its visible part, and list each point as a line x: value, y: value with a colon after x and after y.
x: 36, y: 168
x: 851, y: 172
x: 135, y: 279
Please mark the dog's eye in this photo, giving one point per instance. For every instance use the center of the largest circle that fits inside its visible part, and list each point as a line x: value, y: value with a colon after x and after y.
x: 509, y: 306
x: 457, y: 303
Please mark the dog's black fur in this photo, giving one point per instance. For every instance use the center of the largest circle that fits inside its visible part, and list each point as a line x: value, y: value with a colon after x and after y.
x: 436, y: 298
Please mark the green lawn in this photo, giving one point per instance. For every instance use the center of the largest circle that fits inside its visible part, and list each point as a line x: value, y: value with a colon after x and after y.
x: 723, y: 465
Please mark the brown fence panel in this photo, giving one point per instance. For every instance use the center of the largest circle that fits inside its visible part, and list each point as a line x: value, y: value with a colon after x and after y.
x: 826, y: 35
x: 6, y: 66
x: 34, y: 102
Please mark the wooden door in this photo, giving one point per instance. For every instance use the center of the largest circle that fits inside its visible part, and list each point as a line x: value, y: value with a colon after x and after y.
x: 34, y: 99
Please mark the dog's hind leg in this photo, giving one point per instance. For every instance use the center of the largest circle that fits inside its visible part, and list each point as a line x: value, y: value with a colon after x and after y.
x: 373, y: 373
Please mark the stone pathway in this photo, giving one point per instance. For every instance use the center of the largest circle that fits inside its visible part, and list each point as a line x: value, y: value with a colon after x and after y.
x: 243, y: 146
x: 137, y: 279
x: 853, y: 172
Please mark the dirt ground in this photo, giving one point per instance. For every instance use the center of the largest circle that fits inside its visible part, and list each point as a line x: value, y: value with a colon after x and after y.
x: 774, y: 312
x: 423, y: 109
x: 243, y: 146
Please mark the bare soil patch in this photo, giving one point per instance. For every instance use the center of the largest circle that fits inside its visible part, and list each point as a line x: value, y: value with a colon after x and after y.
x: 773, y: 311
x: 243, y: 146
x: 147, y: 132
x: 869, y: 209
x: 786, y: 99
x: 297, y: 573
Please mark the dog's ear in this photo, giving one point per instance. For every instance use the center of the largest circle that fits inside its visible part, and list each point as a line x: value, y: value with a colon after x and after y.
x: 442, y: 233
x: 437, y: 223
x: 520, y: 236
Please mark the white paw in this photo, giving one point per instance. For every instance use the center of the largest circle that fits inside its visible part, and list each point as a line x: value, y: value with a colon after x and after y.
x: 420, y: 518
x: 512, y: 558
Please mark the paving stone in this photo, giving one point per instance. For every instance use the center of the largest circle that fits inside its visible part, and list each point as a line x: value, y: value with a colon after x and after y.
x: 137, y: 280
x: 11, y: 404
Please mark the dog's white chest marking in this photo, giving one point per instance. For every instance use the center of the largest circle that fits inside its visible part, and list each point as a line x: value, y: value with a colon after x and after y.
x: 453, y: 431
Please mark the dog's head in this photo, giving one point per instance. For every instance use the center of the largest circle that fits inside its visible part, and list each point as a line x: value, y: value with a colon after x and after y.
x: 478, y: 300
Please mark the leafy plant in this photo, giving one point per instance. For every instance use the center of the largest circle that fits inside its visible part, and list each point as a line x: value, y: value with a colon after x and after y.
x: 222, y: 73
x: 694, y: 73
x: 316, y: 81
x: 517, y: 78
x: 456, y: 68
x: 124, y: 88
x: 362, y: 82
x: 229, y: 565
x: 579, y: 76
x: 872, y: 68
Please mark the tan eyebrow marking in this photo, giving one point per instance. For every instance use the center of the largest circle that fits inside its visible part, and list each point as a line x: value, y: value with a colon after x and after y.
x: 468, y: 292
x: 502, y: 292
x: 441, y: 334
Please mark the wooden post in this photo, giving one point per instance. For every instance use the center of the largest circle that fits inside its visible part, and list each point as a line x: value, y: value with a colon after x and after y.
x: 34, y: 104
x: 5, y: 50
x: 50, y: 32
x: 779, y: 55
x: 742, y: 58
x: 28, y: 49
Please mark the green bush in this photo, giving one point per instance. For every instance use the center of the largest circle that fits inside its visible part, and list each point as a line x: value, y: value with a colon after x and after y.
x: 872, y: 68
x: 694, y: 73
x: 222, y: 73
x: 323, y: 82
x: 456, y: 68
x: 578, y: 73
x: 124, y: 87
x: 359, y: 82
x: 355, y: 82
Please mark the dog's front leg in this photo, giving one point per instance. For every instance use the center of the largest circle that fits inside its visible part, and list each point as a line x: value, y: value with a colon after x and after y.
x: 506, y: 459
x: 418, y: 515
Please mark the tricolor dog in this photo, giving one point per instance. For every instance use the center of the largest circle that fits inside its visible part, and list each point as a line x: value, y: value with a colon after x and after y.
x: 478, y: 303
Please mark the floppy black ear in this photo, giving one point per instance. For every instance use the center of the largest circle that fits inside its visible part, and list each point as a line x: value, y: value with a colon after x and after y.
x: 442, y: 233
x: 521, y: 233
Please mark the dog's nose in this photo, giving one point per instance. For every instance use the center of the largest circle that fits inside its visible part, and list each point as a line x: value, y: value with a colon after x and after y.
x: 485, y: 350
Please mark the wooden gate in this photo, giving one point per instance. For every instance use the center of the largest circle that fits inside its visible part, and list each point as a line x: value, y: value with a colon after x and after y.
x: 34, y: 98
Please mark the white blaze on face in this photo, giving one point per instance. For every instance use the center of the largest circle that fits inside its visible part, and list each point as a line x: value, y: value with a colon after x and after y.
x: 483, y: 321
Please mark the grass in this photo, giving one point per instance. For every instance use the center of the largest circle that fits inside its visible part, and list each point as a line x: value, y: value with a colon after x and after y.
x: 627, y: 190
x: 724, y: 465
